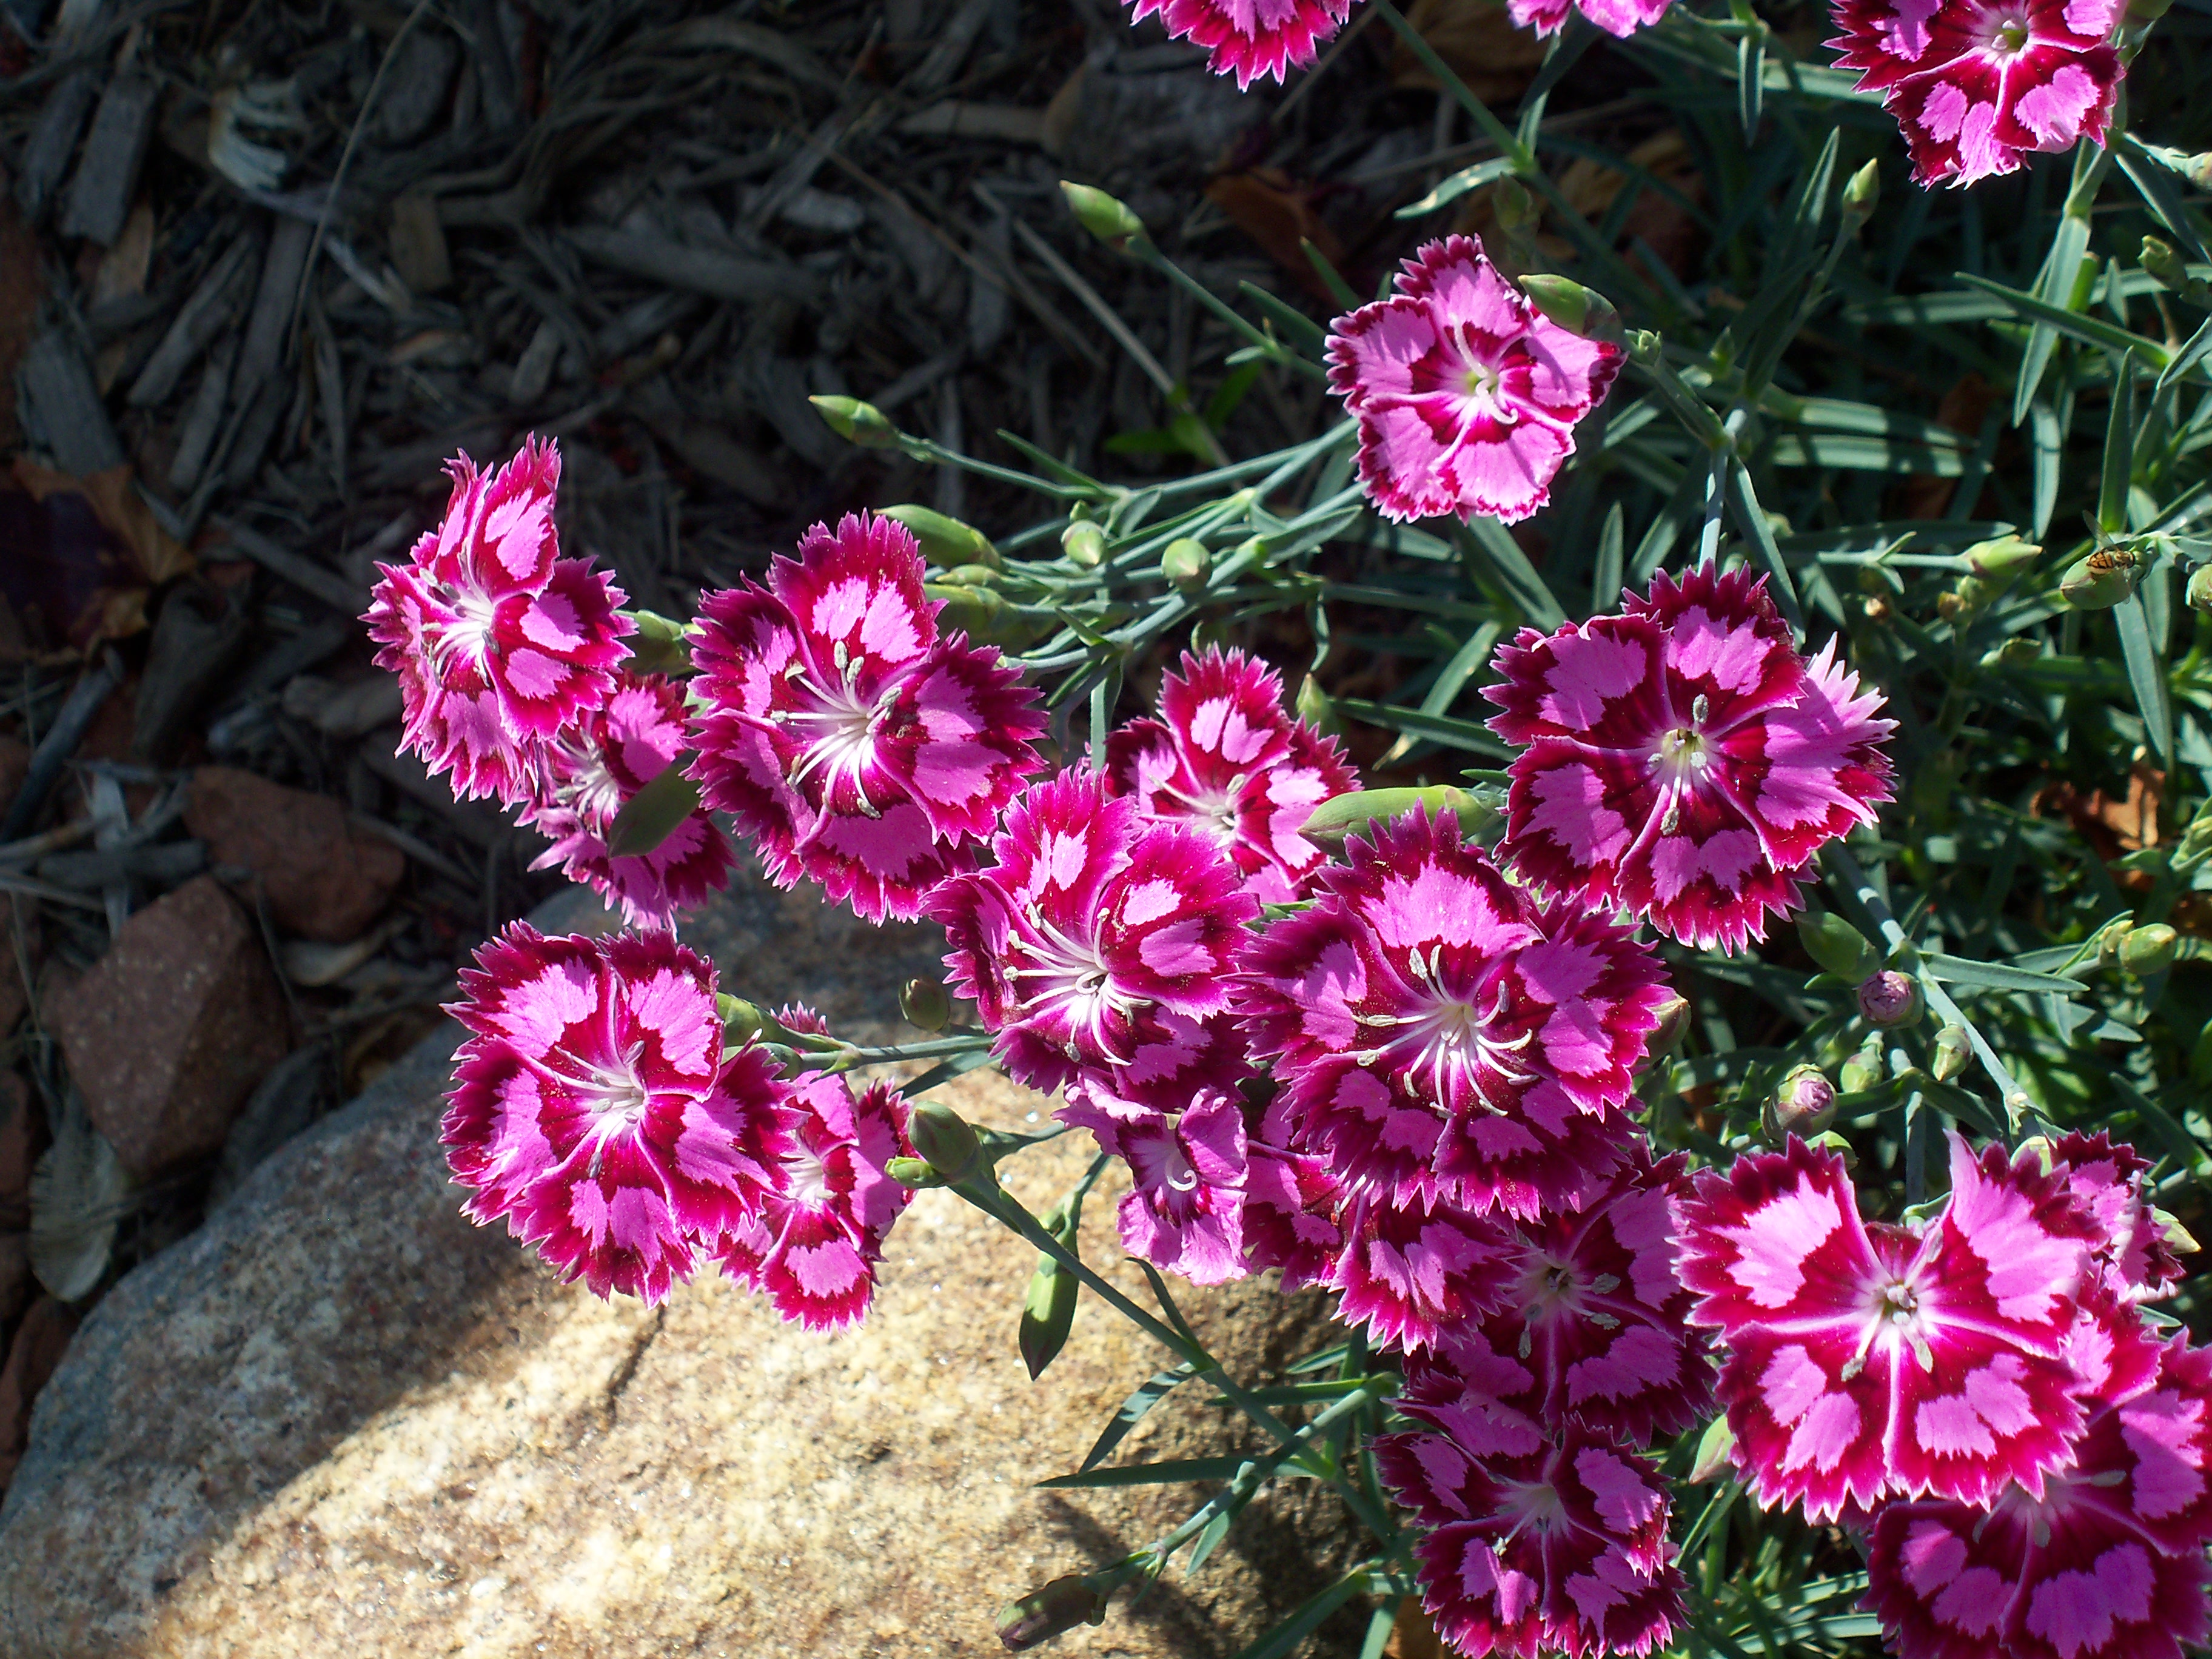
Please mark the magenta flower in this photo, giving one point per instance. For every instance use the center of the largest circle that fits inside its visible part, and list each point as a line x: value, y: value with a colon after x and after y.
x: 860, y: 749
x: 1619, y: 18
x: 1555, y: 1546
x: 1976, y: 84
x: 497, y: 639
x: 814, y: 1238
x: 1592, y: 1329
x: 592, y: 1106
x: 2131, y: 1254
x: 1466, y: 396
x: 1250, y: 39
x: 1187, y: 1169
x: 1091, y: 929
x: 1683, y: 760
x: 2108, y: 1563
x: 1865, y: 1360
x: 1415, y: 1273
x: 589, y: 771
x: 1290, y: 1201
x: 1440, y: 1032
x: 1225, y: 757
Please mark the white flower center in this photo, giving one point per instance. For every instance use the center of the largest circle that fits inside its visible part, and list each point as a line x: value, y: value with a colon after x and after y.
x: 841, y: 729
x: 806, y: 1176
x: 470, y: 634
x: 616, y: 1098
x: 1212, y: 810
x: 1448, y: 1038
x: 591, y: 790
x: 1070, y: 980
x: 2008, y: 34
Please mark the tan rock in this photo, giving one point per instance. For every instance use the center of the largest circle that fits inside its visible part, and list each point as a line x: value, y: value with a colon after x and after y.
x: 170, y: 1030
x: 320, y: 879
x: 340, y: 1420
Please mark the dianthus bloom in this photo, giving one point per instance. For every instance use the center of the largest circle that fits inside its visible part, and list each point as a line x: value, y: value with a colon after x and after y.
x: 1440, y: 1032
x: 592, y: 1106
x: 1976, y: 84
x: 496, y: 638
x: 592, y: 769
x: 1185, y: 1210
x: 812, y: 1240
x: 1620, y: 18
x: 2107, y: 1563
x: 1225, y: 757
x: 1682, y: 760
x: 1870, y: 1360
x: 2132, y: 1255
x: 1250, y: 39
x: 1093, y: 928
x: 861, y: 749
x: 1466, y: 396
x: 1591, y: 1327
x: 1536, y: 1545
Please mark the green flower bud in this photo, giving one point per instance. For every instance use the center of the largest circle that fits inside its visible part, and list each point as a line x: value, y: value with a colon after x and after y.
x: 1865, y: 1069
x: 2109, y: 941
x: 857, y: 423
x: 2165, y: 265
x: 912, y: 1173
x: 1084, y: 544
x: 945, y: 542
x: 741, y: 1021
x: 1805, y: 1105
x: 661, y: 645
x: 1673, y: 1025
x: 924, y: 1003
x: 1838, y: 947
x: 2200, y: 588
x: 2148, y: 951
x: 2012, y: 653
x: 1102, y: 216
x: 2001, y: 560
x: 1952, y: 1051
x: 654, y: 814
x: 1890, y: 999
x: 1354, y: 814
x: 971, y: 576
x: 945, y: 1139
x: 1861, y: 194
x: 1572, y: 306
x: 1185, y: 563
x: 1057, y: 1608
x: 2099, y: 581
x: 1714, y: 1449
x: 1315, y: 709
x: 2197, y: 169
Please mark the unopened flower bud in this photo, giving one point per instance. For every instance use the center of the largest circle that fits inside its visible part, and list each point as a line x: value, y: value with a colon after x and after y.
x: 1951, y: 606
x: 1057, y: 1608
x: 2148, y: 951
x: 741, y: 1021
x: 2164, y: 264
x: 924, y: 1003
x: 1878, y: 608
x: 1102, y: 216
x: 2200, y: 588
x: 945, y: 542
x: 1185, y: 563
x: 2012, y: 653
x: 2109, y: 941
x: 913, y: 1173
x: 1863, y: 1069
x: 1838, y: 947
x: 857, y: 423
x: 1861, y: 194
x: 1084, y: 544
x: 1673, y: 1025
x: 945, y: 1139
x: 2099, y: 581
x: 2197, y: 169
x: 2002, y: 559
x: 1952, y: 1051
x: 1315, y: 709
x: 1805, y: 1105
x: 1572, y: 306
x: 1890, y: 999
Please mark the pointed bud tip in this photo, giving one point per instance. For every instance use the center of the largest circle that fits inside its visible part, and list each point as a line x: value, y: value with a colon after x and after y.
x: 925, y: 1004
x: 1104, y: 216
x: 945, y: 1139
x: 858, y: 423
x: 1890, y: 999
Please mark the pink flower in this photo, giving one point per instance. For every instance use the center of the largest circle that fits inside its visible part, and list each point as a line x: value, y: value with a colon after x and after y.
x: 589, y: 771
x: 1290, y: 1201
x: 1467, y: 395
x: 1537, y: 1544
x: 1225, y: 757
x: 1865, y: 1360
x: 1976, y: 84
x: 863, y: 751
x: 1439, y: 1031
x: 2131, y: 1254
x: 592, y: 1106
x: 814, y: 1238
x: 1187, y: 1169
x: 2108, y: 1563
x: 1620, y: 18
x: 1250, y: 39
x: 1683, y: 760
x: 1592, y: 1329
x: 497, y: 639
x: 1414, y: 1272
x: 1090, y: 932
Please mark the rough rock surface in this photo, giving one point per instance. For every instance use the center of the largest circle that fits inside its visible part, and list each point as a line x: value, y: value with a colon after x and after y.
x: 171, y: 1030
x: 339, y: 1419
x: 320, y: 879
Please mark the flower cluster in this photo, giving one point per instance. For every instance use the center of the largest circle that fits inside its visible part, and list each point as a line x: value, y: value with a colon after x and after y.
x: 1980, y: 1392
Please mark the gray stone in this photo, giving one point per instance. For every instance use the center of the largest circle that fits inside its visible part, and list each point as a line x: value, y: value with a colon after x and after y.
x: 340, y: 1419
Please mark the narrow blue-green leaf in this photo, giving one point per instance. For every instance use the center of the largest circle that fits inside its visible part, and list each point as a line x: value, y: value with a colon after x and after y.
x: 1308, y: 333
x: 1309, y: 1618
x: 654, y: 814
x: 1864, y: 455
x: 2055, y: 285
x: 1154, y: 1389
x: 1494, y: 551
x: 1606, y: 578
x: 1216, y: 1530
x: 2189, y: 356
x: 2047, y: 442
x: 1750, y: 521
x: 1997, y: 976
x: 1462, y: 734
x: 944, y: 1071
x: 2119, y: 450
x: 1331, y: 278
x: 2160, y: 193
x: 1172, y: 1470
x: 1381, y: 1624
x: 2090, y: 331
x: 1451, y: 189
x: 1750, y: 77
x: 2146, y: 674
x: 1846, y: 415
